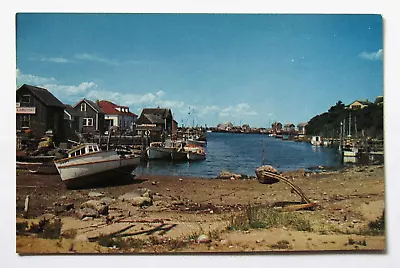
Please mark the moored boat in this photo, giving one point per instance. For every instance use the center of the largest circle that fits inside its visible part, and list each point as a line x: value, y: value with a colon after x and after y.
x: 316, y: 141
x: 178, y: 155
x: 195, y: 152
x: 87, y: 163
x: 157, y: 150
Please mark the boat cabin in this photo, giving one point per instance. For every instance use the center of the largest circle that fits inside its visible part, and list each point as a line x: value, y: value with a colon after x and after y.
x: 83, y: 149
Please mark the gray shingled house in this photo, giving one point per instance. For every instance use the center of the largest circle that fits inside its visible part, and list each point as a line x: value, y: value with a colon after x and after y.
x: 38, y: 110
x: 91, y: 116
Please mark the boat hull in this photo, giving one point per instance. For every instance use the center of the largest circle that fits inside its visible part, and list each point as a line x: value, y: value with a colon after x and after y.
x: 178, y: 156
x: 47, y: 168
x: 83, y: 170
x: 191, y: 156
x: 158, y: 153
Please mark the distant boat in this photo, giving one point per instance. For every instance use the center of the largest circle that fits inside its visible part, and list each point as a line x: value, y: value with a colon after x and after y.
x: 316, y: 141
x: 87, y: 163
x: 209, y: 131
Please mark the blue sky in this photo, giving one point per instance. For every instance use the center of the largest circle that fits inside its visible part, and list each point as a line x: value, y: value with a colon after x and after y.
x: 251, y: 69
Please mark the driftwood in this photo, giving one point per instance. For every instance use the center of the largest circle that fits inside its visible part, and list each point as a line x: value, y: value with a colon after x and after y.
x: 91, y: 239
x: 26, y: 208
x: 144, y: 221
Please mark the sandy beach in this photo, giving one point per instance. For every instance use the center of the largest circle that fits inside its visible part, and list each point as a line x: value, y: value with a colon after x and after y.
x: 164, y: 214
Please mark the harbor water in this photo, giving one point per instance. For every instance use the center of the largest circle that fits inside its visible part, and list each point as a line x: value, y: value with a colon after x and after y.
x: 243, y: 153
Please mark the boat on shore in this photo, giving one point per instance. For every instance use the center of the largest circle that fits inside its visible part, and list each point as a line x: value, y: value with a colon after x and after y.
x: 41, y: 164
x: 47, y: 168
x: 87, y: 163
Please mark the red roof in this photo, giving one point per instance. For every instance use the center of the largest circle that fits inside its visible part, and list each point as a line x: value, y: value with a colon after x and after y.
x: 111, y: 108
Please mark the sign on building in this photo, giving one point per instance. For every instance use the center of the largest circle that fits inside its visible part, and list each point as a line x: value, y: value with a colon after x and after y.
x: 26, y: 110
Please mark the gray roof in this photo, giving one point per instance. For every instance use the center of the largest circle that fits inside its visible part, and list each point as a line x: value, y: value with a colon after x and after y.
x: 302, y: 124
x: 44, y: 95
x: 155, y: 119
x: 92, y: 104
x: 163, y: 112
x: 71, y: 110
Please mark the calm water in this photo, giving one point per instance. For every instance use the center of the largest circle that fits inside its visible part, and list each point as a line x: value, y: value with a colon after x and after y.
x: 243, y: 153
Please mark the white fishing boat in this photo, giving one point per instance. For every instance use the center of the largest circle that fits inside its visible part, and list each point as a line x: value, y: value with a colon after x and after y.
x: 196, y: 142
x: 195, y: 152
x: 316, y: 141
x: 87, y: 163
x: 157, y: 150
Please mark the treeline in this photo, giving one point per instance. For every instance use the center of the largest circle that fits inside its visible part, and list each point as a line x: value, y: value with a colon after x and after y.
x: 367, y: 122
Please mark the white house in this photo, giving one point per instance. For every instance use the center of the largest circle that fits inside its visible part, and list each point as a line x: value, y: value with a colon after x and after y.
x: 117, y: 115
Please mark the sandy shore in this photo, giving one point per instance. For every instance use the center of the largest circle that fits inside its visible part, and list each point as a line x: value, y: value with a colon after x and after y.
x: 197, y: 214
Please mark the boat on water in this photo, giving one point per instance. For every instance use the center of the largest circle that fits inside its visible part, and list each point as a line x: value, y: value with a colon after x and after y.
x: 194, y: 153
x: 157, y: 150
x: 178, y: 155
x: 196, y: 142
x: 87, y: 163
x: 316, y: 141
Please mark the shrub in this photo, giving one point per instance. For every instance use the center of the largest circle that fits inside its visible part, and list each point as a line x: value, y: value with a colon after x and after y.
x: 265, y: 217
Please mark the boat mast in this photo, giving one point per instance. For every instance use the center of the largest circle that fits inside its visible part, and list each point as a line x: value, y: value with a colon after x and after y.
x: 350, y: 123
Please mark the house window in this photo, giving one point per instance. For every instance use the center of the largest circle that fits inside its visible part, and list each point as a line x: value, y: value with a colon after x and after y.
x: 26, y: 99
x: 25, y: 121
x: 83, y: 107
x: 87, y: 122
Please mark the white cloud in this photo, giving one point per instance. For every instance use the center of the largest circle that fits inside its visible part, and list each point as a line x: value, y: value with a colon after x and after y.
x: 160, y: 93
x: 95, y: 58
x: 32, y: 79
x: 56, y: 60
x: 59, y: 90
x: 241, y: 109
x: 66, y: 90
x: 52, y: 59
x: 372, y: 56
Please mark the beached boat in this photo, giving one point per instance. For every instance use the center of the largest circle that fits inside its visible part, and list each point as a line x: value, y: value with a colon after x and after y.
x: 87, y: 163
x: 41, y: 164
x: 38, y: 167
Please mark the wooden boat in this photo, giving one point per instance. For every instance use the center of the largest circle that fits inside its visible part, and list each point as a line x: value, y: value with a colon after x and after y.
x: 157, y: 150
x: 195, y: 152
x: 37, y: 164
x: 178, y: 155
x: 87, y: 163
x: 196, y: 142
x: 48, y: 167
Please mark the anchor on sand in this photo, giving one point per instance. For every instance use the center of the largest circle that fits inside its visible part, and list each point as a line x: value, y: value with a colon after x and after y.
x: 269, y: 175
